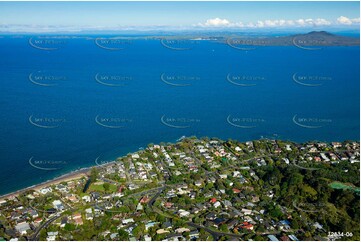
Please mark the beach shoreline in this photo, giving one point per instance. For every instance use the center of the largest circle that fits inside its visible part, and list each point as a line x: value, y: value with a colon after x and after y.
x: 63, y: 178
x: 73, y: 175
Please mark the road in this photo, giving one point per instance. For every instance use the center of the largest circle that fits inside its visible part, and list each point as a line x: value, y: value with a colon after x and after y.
x: 215, y: 235
x: 35, y: 235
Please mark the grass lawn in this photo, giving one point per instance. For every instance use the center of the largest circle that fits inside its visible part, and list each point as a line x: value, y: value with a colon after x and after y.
x: 339, y: 185
x: 100, y: 188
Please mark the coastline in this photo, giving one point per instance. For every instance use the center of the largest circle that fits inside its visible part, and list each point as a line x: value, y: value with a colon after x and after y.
x: 77, y: 174
x: 63, y: 178
x: 72, y: 175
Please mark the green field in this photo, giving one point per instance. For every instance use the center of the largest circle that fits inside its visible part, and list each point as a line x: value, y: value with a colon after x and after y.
x: 339, y: 185
x: 100, y: 188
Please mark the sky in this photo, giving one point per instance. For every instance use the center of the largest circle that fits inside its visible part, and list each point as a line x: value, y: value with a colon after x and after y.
x: 77, y: 16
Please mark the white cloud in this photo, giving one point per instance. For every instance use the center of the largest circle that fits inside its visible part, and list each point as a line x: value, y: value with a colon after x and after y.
x: 278, y: 23
x: 300, y: 22
x: 210, y: 23
x: 25, y: 28
x: 312, y: 22
x: 218, y: 22
x: 321, y: 22
x: 347, y: 21
x: 344, y: 20
x: 260, y: 24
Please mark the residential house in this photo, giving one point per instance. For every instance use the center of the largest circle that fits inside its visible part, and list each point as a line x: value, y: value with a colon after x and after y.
x: 246, y: 211
x: 217, y: 204
x: 223, y: 176
x: 211, y: 216
x: 144, y: 199
x: 86, y: 199
x: 246, y: 225
x: 227, y: 204
x: 52, y: 236
x: 193, y: 235
x: 147, y: 238
x: 284, y: 224
x: 162, y: 231
x: 58, y: 205
x: 33, y: 213
x: 37, y: 221
x: 77, y: 219
x: 139, y: 207
x: 213, y: 200
x: 88, y: 214
x: 219, y: 221
x: 167, y: 225
x: 232, y: 223
x: 235, y: 190
x: 46, y: 190
x: 284, y: 238
x: 72, y: 198
x: 183, y: 213
x: 127, y: 221
x: 22, y: 228
x: 64, y: 221
x: 272, y: 237
x: 150, y: 224
x: 182, y: 230
x: 293, y: 237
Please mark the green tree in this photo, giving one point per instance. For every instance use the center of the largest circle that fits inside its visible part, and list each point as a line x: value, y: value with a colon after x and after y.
x: 295, y: 224
x: 258, y: 238
x: 186, y: 235
x: 209, y: 185
x: 138, y: 231
x: 161, y: 218
x: 94, y: 174
x: 69, y: 227
x: 123, y: 235
x: 106, y: 186
x: 224, y: 228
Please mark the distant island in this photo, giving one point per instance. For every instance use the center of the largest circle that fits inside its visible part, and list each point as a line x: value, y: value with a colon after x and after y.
x: 314, y: 38
x: 199, y: 189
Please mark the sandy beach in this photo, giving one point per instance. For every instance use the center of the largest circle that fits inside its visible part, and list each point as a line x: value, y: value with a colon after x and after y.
x: 64, y: 178
x: 67, y: 177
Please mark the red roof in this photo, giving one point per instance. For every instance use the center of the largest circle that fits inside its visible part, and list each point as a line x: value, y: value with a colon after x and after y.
x: 213, y: 200
x: 235, y: 190
x: 120, y: 189
x: 38, y: 220
x: 284, y: 238
x: 246, y: 225
x: 144, y: 199
x: 168, y: 205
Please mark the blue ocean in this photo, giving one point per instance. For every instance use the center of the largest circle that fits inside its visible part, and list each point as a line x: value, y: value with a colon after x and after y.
x: 66, y: 107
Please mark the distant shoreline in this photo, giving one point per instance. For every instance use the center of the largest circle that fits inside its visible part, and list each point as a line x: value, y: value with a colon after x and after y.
x: 66, y: 177
x: 234, y: 39
x: 77, y: 174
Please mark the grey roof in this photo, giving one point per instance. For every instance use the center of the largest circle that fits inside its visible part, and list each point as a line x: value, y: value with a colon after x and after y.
x: 22, y: 227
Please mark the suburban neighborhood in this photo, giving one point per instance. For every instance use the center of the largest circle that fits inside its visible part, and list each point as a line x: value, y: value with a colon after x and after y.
x: 200, y: 189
